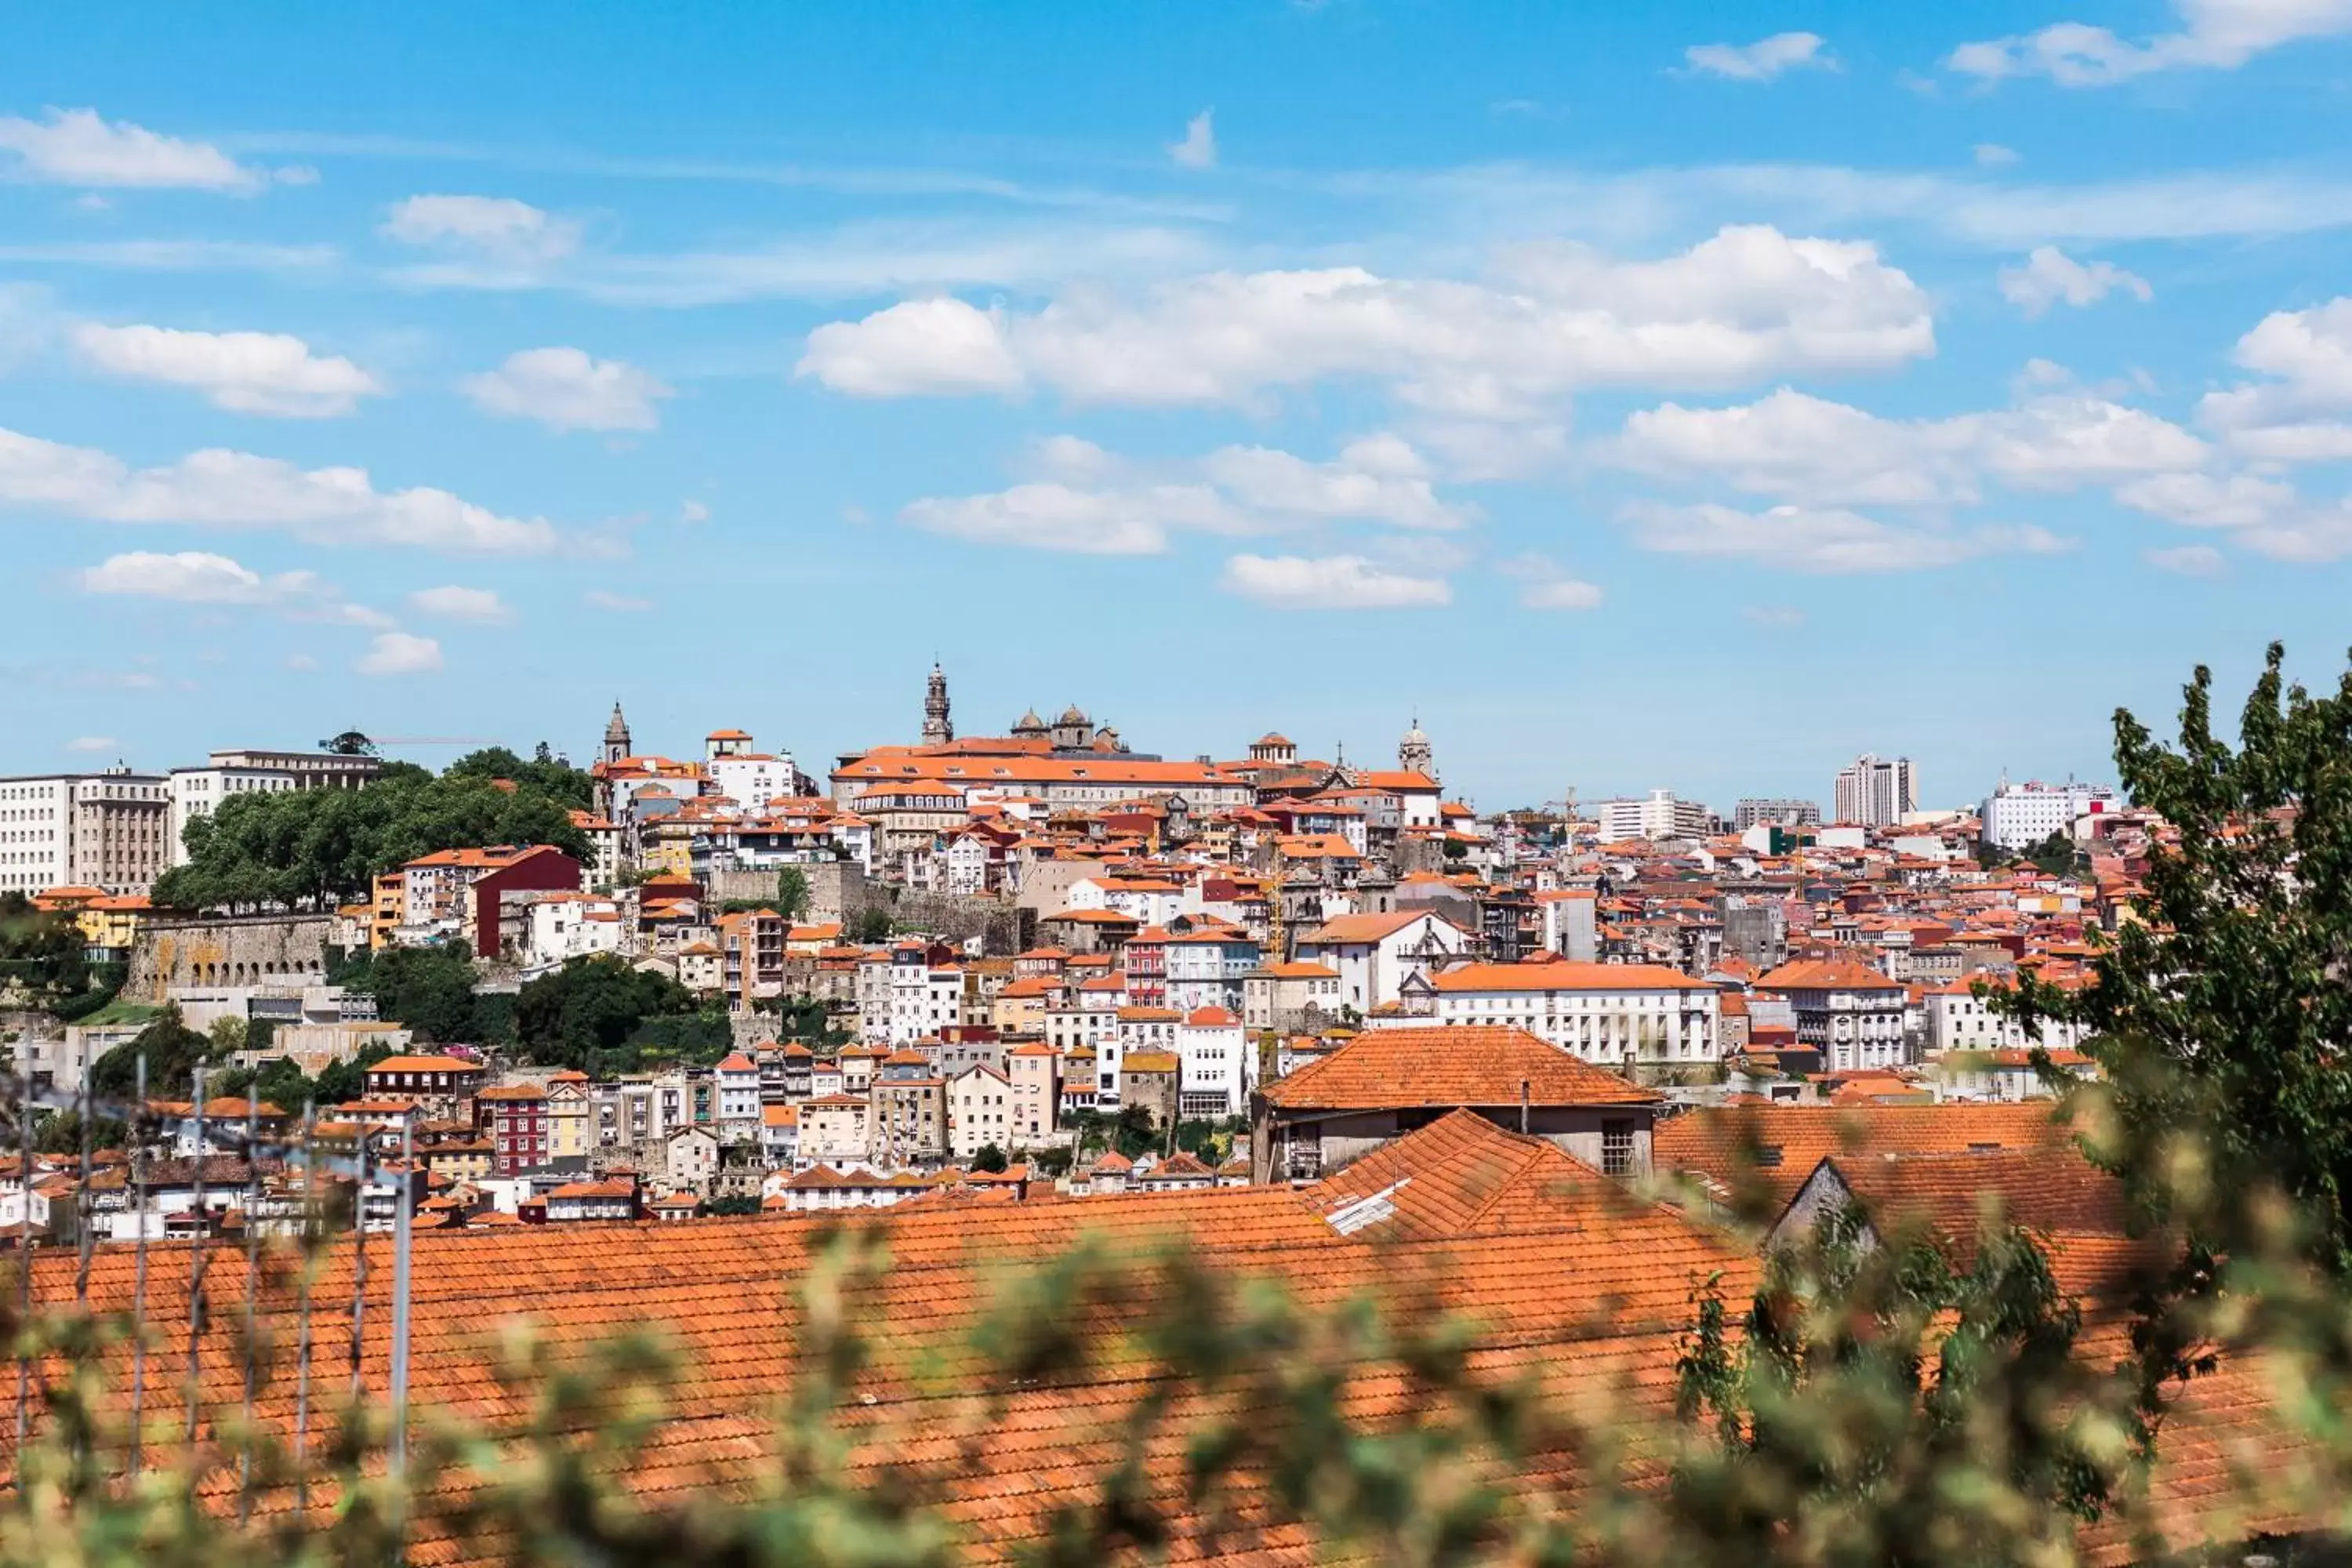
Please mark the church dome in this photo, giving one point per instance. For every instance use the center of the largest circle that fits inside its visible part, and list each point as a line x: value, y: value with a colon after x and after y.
x: 1028, y: 720
x: 1073, y: 714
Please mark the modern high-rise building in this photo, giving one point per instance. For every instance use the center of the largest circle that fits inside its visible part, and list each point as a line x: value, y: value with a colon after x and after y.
x: 2019, y: 817
x: 1877, y: 791
x: 104, y: 830
x: 1753, y: 812
x: 1658, y: 814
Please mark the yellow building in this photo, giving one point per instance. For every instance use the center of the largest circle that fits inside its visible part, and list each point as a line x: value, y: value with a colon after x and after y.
x: 570, y: 1119
x: 391, y: 908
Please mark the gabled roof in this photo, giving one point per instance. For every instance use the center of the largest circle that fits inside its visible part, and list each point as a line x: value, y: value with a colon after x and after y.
x: 1421, y: 1068
x: 1371, y: 928
x: 1462, y: 1176
x: 1721, y: 1144
x: 1826, y: 974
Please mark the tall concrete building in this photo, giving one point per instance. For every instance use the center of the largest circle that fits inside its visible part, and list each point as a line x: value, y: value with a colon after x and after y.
x: 1752, y: 811
x: 104, y: 830
x: 1876, y: 792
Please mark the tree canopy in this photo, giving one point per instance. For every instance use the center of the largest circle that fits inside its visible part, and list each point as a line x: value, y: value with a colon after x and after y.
x: 322, y: 847
x: 592, y: 1006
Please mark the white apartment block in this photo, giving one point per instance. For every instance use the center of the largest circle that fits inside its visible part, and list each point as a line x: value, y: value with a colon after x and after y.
x: 103, y: 830
x: 1959, y: 1020
x: 1216, y: 1068
x: 35, y: 834
x: 2018, y: 816
x: 1615, y: 1014
x: 1876, y: 792
x: 1658, y: 814
x: 980, y: 1112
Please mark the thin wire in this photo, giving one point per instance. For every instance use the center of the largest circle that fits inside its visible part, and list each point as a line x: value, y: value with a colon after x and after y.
x: 359, y: 1264
x: 196, y: 1258
x: 24, y: 1267
x: 139, y: 1269
x: 81, y: 1192
x: 252, y: 1272
x: 403, y: 1238
x: 310, y: 1253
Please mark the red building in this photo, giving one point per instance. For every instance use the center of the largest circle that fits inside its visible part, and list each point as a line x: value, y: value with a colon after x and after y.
x: 515, y: 1116
x: 496, y: 922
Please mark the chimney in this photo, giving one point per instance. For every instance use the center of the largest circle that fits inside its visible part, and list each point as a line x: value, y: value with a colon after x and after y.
x: 1523, y: 1107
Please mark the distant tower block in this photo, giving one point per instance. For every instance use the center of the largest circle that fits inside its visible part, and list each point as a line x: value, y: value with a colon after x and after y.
x: 938, y: 728
x: 1415, y: 753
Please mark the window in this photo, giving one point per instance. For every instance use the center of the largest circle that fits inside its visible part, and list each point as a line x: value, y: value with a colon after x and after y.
x: 1616, y: 1146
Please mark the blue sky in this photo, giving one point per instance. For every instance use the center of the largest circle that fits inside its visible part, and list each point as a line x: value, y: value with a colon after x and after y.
x: 1683, y: 396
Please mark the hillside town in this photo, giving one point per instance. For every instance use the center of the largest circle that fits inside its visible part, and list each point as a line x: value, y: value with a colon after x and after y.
x: 1043, y: 961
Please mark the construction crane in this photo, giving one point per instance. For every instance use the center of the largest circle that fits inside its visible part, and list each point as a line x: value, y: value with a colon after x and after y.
x: 358, y: 743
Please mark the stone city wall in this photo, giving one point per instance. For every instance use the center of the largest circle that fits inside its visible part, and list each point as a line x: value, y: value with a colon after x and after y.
x: 245, y: 950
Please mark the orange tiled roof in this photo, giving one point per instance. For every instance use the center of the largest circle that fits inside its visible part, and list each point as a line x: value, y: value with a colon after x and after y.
x: 1566, y: 976
x: 1710, y: 1142
x: 1415, y: 1068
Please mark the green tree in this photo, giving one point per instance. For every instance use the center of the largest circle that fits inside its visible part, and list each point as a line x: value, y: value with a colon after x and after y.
x: 174, y: 1052
x: 324, y: 847
x: 590, y: 1005
x: 732, y: 1203
x: 989, y: 1157
x: 791, y: 894
x: 872, y: 925
x: 429, y: 990
x: 2222, y: 1010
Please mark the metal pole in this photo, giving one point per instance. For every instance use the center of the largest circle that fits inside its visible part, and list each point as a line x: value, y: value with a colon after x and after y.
x: 311, y: 1242
x: 359, y: 1260
x: 196, y: 1265
x: 81, y: 1190
x: 24, y: 1262
x: 252, y: 1269
x: 404, y: 1228
x: 138, y: 1266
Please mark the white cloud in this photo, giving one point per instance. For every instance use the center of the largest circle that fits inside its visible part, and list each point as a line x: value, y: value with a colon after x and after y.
x: 2049, y: 274
x: 91, y: 743
x: 2264, y: 515
x: 75, y: 147
x: 2207, y: 500
x: 1198, y: 148
x: 519, y: 240
x: 300, y: 661
x: 1776, y: 618
x: 1814, y: 451
x: 1817, y: 540
x: 452, y: 603
x: 938, y: 347
x: 2219, y: 35
x: 200, y: 577
x: 245, y: 372
x: 564, y: 389
x: 691, y: 510
x: 1548, y: 587
x: 400, y: 653
x: 1050, y: 516
x: 2305, y: 414
x: 1993, y: 155
x: 1761, y: 60
x: 2189, y: 561
x: 599, y: 599
x: 220, y: 489
x: 1379, y: 479
x: 1750, y: 302
x: 1328, y: 582
x: 1085, y: 500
